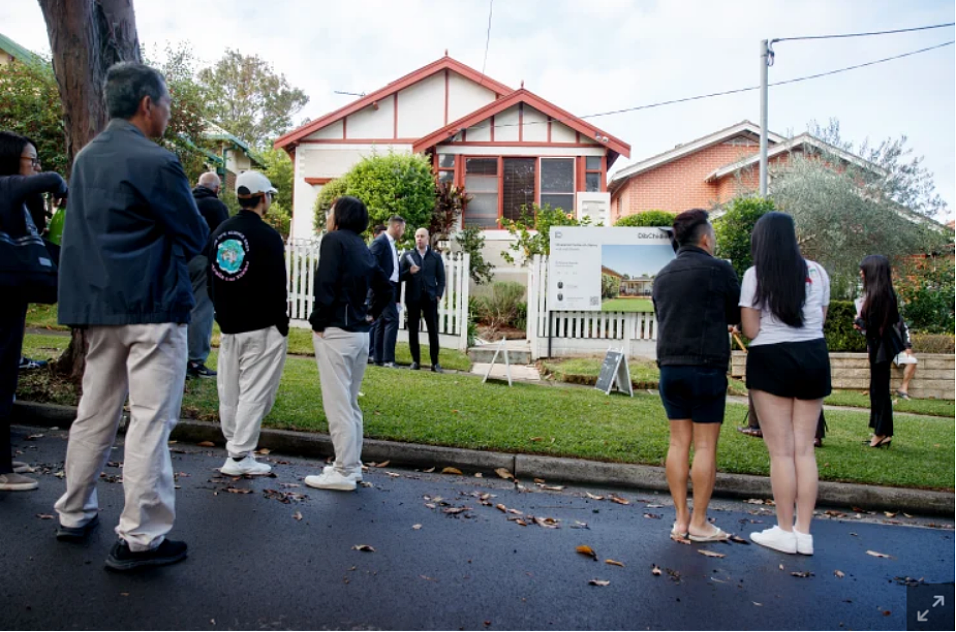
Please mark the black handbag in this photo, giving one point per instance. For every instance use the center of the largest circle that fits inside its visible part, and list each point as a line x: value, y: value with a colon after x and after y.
x: 27, y: 268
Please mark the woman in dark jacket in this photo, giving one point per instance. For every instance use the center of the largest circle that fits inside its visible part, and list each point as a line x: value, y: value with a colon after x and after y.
x: 885, y: 338
x: 340, y: 324
x: 21, y: 185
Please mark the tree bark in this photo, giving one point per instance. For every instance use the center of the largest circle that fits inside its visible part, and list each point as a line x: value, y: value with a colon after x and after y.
x: 86, y: 38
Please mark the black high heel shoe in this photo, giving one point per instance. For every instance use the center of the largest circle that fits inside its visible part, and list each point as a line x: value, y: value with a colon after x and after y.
x: 883, y: 443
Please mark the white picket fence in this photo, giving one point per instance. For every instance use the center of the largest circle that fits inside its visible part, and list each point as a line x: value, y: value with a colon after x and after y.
x: 302, y: 258
x: 580, y: 333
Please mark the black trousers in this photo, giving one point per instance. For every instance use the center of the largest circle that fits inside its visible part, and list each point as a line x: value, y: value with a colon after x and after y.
x: 13, y: 312
x: 429, y: 309
x: 386, y: 331
x: 881, y: 402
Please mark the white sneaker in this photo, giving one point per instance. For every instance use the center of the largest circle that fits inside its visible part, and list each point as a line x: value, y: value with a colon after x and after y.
x: 776, y: 539
x: 248, y: 466
x: 804, y: 542
x: 355, y: 475
x: 331, y: 480
x: 19, y: 467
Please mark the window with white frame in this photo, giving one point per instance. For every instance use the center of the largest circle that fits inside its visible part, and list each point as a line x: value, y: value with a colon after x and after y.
x: 481, y: 183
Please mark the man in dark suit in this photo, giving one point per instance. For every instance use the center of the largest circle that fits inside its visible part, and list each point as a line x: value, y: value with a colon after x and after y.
x: 423, y: 273
x: 385, y: 251
x: 376, y: 233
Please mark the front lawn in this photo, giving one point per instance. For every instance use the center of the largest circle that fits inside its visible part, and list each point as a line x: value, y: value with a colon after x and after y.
x: 644, y: 373
x: 627, y: 305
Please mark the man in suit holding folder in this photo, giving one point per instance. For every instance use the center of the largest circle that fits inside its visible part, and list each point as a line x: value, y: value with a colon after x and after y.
x: 423, y: 273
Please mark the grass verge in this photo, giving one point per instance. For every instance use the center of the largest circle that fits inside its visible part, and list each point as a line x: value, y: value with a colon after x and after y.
x: 644, y: 373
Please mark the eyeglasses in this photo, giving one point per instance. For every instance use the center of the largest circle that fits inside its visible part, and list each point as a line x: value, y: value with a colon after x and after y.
x: 34, y: 162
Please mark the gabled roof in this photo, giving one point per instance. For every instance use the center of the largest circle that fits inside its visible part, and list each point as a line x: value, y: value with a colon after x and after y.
x: 18, y: 52
x: 564, y: 117
x: 445, y: 63
x: 803, y: 141
x: 744, y: 127
x: 214, y: 132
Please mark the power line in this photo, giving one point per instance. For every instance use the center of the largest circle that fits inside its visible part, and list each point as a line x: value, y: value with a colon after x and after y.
x: 491, y: 7
x: 840, y: 35
x: 736, y: 90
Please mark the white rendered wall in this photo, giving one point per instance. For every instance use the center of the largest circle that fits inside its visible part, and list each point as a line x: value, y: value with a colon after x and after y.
x: 535, y: 128
x: 332, y: 131
x: 506, y: 124
x: 421, y: 107
x: 563, y: 134
x: 465, y: 96
x: 372, y: 123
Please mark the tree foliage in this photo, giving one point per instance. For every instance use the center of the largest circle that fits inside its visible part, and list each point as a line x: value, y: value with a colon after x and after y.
x: 31, y: 107
x: 734, y: 228
x: 532, y: 231
x: 925, y: 287
x: 249, y: 98
x: 471, y: 240
x: 648, y: 218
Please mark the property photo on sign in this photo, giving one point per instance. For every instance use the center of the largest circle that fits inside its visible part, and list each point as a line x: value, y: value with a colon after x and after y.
x: 627, y: 275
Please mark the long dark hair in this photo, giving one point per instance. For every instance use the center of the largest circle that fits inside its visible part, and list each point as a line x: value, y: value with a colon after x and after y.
x: 880, y: 305
x: 11, y: 148
x: 781, y: 269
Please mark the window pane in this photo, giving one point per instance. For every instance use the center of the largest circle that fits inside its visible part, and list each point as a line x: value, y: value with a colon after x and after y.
x: 482, y: 210
x: 519, y: 176
x: 481, y: 184
x: 593, y: 163
x: 564, y: 202
x: 557, y: 175
x: 446, y: 161
x: 446, y: 176
x: 592, y: 182
x: 481, y: 166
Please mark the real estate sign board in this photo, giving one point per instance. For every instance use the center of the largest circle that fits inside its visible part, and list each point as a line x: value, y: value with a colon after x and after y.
x: 605, y: 269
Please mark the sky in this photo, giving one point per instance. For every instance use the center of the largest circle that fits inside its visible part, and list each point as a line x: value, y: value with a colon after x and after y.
x: 598, y: 55
x: 637, y: 260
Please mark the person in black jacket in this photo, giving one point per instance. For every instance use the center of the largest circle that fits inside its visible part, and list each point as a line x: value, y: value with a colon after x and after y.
x: 696, y: 299
x: 385, y: 251
x: 423, y: 273
x: 247, y: 282
x: 21, y: 182
x: 214, y: 211
x: 132, y: 226
x: 340, y: 322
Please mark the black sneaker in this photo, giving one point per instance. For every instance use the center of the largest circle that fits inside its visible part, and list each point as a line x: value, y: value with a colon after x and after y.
x: 168, y: 552
x: 436, y: 368
x: 200, y: 370
x: 77, y: 534
x: 415, y: 366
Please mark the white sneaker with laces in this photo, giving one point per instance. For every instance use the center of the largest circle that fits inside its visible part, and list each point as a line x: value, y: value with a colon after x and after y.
x: 776, y: 539
x: 331, y: 480
x: 247, y: 466
x: 354, y: 475
x: 804, y: 542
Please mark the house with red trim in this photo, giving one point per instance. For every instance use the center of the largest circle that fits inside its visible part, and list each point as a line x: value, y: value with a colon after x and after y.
x: 506, y: 147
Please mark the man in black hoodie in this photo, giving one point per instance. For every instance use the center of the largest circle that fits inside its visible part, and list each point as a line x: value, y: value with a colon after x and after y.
x: 214, y: 211
x: 247, y: 281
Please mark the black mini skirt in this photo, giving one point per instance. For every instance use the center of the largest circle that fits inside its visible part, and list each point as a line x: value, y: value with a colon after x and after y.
x: 800, y: 370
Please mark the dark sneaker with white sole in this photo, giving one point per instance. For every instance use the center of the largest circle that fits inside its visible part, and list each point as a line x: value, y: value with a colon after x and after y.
x: 199, y: 370
x: 77, y: 534
x: 168, y: 552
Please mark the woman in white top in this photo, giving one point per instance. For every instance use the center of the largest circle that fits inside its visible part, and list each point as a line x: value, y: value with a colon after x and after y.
x: 783, y: 302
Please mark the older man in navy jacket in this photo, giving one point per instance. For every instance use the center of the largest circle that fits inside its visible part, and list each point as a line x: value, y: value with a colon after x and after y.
x: 132, y: 227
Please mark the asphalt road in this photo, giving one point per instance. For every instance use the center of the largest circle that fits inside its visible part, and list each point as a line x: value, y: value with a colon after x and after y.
x: 277, y: 560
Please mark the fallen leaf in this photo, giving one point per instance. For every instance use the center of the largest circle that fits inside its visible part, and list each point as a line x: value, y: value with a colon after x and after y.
x: 206, y: 444
x: 651, y: 516
x: 855, y: 535
x: 876, y: 554
x: 429, y: 470
x: 505, y: 474
x: 739, y: 540
x: 427, y: 578
x: 580, y: 525
x: 753, y: 501
x: 431, y: 505
x: 501, y: 508
x: 655, y: 569
x: 297, y: 515
x: 907, y: 515
x: 653, y: 506
x: 599, y: 582
x: 516, y: 512
x: 552, y: 488
x: 392, y: 474
x: 536, y: 439
x: 451, y: 470
x: 519, y: 521
x: 45, y: 516
x: 237, y: 490
x: 781, y: 567
x: 707, y: 553
x: 34, y: 437
x: 479, y: 475
x: 614, y: 563
x: 890, y: 514
x: 382, y: 464
x: 679, y: 539
x: 456, y: 510
x: 584, y: 549
x: 539, y: 481
x: 547, y: 523
x: 124, y: 594
x: 756, y: 604
x: 363, y: 547
x: 365, y: 484
x: 801, y: 573
x: 416, y: 527
x: 289, y: 485
x: 839, y: 574
x: 594, y: 497
x: 263, y: 451
x: 619, y: 500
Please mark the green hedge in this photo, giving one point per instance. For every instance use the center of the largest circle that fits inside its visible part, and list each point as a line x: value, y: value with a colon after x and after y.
x: 839, y: 331
x: 648, y: 218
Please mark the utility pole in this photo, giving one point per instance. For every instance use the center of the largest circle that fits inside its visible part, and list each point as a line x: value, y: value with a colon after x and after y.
x: 764, y: 69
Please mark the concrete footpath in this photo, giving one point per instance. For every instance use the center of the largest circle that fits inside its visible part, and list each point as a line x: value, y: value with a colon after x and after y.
x: 528, y: 467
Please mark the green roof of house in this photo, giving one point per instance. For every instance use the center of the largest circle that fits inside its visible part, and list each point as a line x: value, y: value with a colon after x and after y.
x: 17, y: 51
x: 214, y: 132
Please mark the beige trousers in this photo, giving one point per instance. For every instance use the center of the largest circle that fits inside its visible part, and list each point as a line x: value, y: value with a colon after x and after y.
x: 342, y: 357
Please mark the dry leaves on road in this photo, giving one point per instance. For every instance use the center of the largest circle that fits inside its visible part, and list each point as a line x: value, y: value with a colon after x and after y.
x: 206, y: 444
x: 547, y: 523
x: 618, y: 500
x: 679, y: 539
x: 599, y: 582
x: 504, y: 473
x: 877, y: 554
x: 382, y: 464
x: 451, y: 470
x: 455, y: 510
x: 594, y: 496
x: 392, y: 474
x: 500, y: 507
x: 365, y: 548
x: 839, y: 574
x: 655, y: 570
x: 651, y: 516
x: 801, y: 573
x: 238, y: 490
x: 707, y: 553
x: 297, y: 515
x: 584, y: 549
x: 45, y: 516
x: 429, y: 470
x: 263, y: 451
x: 614, y: 563
x: 738, y: 540
x: 416, y: 527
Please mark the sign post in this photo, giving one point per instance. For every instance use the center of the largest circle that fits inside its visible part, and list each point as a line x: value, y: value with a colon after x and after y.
x: 615, y: 373
x: 500, y: 348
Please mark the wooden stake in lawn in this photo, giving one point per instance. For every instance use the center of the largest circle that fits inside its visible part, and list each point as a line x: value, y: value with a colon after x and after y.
x: 615, y: 373
x: 500, y: 348
x: 86, y: 38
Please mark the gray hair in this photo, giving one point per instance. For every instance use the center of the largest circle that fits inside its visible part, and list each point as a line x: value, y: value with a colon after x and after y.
x: 127, y: 83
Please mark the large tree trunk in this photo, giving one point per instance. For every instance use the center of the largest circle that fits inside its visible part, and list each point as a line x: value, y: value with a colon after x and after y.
x: 86, y: 38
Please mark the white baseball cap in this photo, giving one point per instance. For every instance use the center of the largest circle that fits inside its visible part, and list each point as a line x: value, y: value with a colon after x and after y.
x: 252, y: 183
